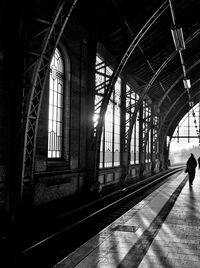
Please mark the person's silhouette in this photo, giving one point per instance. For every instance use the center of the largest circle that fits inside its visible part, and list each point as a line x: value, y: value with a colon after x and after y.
x: 191, y: 168
x: 199, y: 161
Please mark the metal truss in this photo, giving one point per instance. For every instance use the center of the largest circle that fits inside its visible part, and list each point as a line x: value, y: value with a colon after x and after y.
x: 174, y: 104
x: 149, y: 125
x: 155, y: 139
x: 167, y: 92
x: 189, y: 69
x: 36, y: 73
x: 100, y: 70
x: 146, y: 129
x: 170, y: 123
x: 177, y: 81
x: 108, y: 91
x: 145, y: 91
x: 184, y: 92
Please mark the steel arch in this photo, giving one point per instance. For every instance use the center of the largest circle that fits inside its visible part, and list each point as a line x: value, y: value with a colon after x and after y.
x: 41, y: 65
x: 133, y: 118
x: 172, y: 106
x: 189, y: 69
x: 196, y: 94
x: 115, y: 75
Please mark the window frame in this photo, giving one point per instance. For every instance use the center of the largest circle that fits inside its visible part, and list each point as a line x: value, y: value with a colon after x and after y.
x: 106, y: 71
x: 64, y: 160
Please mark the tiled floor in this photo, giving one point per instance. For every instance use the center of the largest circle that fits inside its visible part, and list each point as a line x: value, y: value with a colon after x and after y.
x: 155, y: 233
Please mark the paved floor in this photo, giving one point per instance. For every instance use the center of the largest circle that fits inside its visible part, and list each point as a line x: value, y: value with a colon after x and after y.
x: 163, y: 230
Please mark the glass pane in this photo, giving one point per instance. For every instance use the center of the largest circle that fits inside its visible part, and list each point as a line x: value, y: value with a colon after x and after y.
x: 59, y: 119
x: 54, y: 114
x: 55, y: 106
x: 110, y: 143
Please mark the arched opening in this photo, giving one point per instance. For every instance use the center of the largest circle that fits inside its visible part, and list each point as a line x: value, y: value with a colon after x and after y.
x: 55, y: 137
x: 186, y: 139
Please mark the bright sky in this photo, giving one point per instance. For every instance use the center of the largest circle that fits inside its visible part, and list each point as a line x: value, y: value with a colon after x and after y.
x: 174, y: 146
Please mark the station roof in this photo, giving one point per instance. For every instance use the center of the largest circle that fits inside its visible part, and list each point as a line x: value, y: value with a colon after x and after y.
x: 140, y: 32
x: 154, y: 62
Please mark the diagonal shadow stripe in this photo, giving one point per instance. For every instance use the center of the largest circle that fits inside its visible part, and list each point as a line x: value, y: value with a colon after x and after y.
x: 140, y: 248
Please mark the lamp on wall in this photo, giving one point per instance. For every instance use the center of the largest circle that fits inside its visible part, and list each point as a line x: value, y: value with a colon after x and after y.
x: 191, y: 103
x: 178, y: 38
x: 186, y: 83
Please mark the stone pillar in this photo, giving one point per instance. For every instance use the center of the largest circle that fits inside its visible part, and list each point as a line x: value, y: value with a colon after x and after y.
x: 125, y: 152
x: 91, y: 146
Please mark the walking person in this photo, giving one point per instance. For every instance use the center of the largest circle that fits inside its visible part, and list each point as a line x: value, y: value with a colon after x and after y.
x: 199, y: 161
x: 191, y: 168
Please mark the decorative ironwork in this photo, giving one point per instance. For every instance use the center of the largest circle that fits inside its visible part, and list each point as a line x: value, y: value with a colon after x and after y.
x: 147, y: 123
x: 55, y: 106
x: 170, y: 123
x: 133, y: 118
x: 169, y: 59
x: 110, y: 142
x: 49, y: 37
x: 113, y: 79
x: 172, y: 106
x: 131, y: 101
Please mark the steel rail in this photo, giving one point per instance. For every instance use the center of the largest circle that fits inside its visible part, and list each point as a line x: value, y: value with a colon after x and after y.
x: 102, y: 210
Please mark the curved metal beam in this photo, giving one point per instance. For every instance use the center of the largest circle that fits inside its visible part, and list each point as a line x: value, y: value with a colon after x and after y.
x: 38, y: 78
x: 173, y: 85
x: 173, y: 105
x: 115, y: 75
x: 146, y: 136
x: 182, y: 107
x: 133, y: 118
x: 145, y: 91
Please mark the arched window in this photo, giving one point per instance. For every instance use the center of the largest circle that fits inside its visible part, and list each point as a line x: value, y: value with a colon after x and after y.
x: 187, y: 131
x: 186, y: 138
x: 55, y: 118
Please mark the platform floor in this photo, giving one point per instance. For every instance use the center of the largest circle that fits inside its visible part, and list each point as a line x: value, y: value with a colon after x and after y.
x: 163, y: 230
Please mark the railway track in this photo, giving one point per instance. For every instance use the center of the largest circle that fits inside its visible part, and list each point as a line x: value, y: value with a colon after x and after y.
x: 70, y: 230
